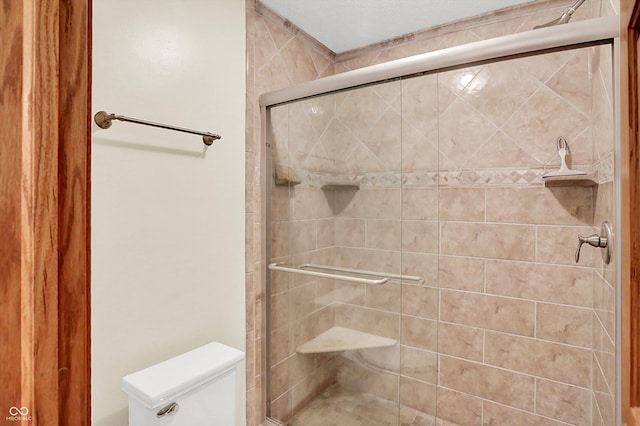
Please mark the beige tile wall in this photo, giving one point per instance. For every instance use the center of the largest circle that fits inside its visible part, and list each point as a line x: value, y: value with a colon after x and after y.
x: 506, y: 315
x: 509, y: 21
x: 603, y: 360
x: 302, y: 231
x: 301, y: 307
x: 277, y: 57
x: 603, y: 330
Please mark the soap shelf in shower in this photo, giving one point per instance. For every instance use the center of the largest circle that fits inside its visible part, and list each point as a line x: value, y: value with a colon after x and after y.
x: 338, y: 339
x: 283, y: 175
x: 578, y: 180
x: 341, y: 183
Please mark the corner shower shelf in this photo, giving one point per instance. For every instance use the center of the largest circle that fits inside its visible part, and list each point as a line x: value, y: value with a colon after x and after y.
x: 338, y: 183
x: 340, y: 186
x: 338, y: 339
x: 579, y: 180
x: 285, y: 176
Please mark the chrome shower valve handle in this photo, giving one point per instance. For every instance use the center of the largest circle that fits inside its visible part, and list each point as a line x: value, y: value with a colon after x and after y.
x: 602, y: 241
x: 593, y: 240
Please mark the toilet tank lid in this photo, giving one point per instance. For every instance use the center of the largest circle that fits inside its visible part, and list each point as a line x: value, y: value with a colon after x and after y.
x: 169, y: 379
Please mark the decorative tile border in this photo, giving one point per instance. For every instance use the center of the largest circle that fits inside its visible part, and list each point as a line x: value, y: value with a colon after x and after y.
x: 480, y: 177
x: 382, y: 180
x: 420, y: 179
x: 517, y: 177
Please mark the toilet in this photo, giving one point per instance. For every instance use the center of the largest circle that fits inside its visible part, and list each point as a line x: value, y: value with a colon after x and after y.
x: 197, y: 388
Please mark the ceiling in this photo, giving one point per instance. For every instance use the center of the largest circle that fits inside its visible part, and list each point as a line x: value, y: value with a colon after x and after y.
x: 343, y: 25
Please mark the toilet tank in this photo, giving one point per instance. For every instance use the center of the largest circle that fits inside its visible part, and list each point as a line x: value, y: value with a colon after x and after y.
x: 197, y: 388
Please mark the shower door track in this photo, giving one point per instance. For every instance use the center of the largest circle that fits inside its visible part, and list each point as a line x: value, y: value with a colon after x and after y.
x: 589, y: 32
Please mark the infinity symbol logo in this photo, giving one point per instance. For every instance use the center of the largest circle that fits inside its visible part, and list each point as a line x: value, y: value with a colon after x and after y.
x: 15, y: 411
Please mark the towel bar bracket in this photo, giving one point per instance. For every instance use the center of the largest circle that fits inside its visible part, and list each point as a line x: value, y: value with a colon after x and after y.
x: 103, y: 120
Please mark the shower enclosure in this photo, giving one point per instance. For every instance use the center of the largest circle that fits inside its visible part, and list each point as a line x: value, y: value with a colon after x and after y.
x: 421, y: 270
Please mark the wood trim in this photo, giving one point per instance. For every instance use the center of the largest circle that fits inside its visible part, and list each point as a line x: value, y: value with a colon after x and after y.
x: 39, y: 210
x: 629, y: 83
x: 74, y: 206
x: 634, y: 203
x: 10, y: 206
x: 44, y: 214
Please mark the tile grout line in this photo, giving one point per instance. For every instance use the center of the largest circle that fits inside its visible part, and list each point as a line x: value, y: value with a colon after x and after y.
x: 484, y: 346
x: 535, y: 244
x: 535, y: 320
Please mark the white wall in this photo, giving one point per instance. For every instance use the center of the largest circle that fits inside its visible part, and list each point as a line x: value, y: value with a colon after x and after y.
x: 167, y: 215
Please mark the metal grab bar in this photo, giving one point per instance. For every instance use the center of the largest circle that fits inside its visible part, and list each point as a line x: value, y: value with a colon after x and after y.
x: 276, y: 267
x: 419, y: 280
x: 104, y: 121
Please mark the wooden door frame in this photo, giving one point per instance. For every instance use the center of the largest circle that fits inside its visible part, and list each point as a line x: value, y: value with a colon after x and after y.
x: 630, y: 127
x: 45, y: 106
x: 74, y: 213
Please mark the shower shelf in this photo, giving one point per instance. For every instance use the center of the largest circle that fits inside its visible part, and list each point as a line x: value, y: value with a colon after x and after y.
x: 337, y: 186
x: 285, y: 176
x: 579, y: 180
x: 338, y: 339
x: 351, y: 183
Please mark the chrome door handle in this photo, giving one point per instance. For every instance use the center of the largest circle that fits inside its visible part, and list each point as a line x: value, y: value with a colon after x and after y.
x: 603, y: 241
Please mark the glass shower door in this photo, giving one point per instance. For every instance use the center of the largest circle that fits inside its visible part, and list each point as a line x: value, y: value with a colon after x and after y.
x: 336, y: 274
x: 422, y: 270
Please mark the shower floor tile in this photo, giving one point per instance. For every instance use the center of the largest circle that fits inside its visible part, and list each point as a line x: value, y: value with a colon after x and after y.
x: 339, y: 407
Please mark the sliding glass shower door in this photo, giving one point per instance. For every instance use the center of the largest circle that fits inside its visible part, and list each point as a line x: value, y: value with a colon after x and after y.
x: 337, y: 276
x: 422, y: 248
